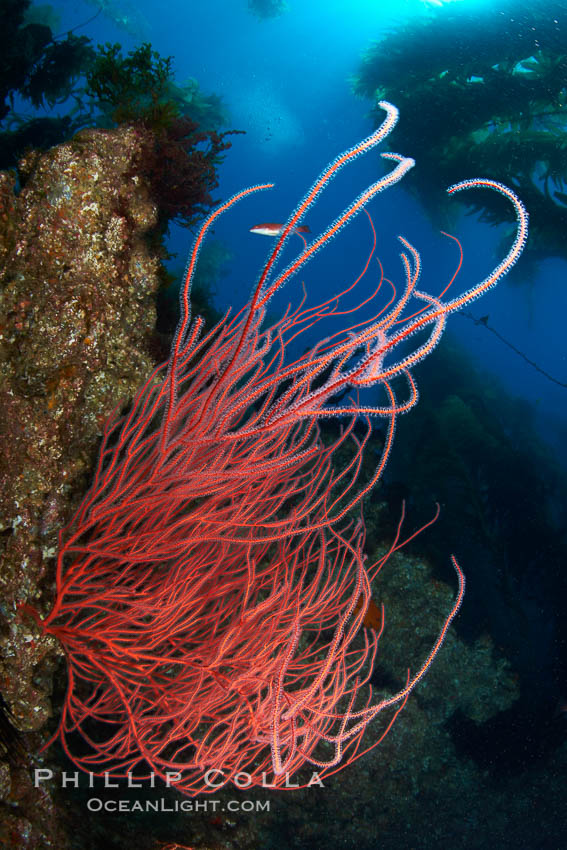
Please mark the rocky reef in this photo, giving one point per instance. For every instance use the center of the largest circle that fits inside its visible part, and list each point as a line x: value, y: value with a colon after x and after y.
x: 77, y: 312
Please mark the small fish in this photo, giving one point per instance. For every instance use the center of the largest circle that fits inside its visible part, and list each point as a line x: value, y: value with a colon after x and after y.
x: 373, y: 616
x: 271, y: 228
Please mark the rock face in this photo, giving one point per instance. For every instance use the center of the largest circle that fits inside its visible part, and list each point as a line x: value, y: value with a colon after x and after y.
x: 77, y: 286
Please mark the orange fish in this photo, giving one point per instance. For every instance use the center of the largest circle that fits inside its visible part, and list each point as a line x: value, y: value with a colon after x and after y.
x: 373, y: 617
x: 272, y: 228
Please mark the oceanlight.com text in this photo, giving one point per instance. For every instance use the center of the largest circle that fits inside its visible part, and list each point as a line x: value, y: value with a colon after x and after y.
x: 96, y: 804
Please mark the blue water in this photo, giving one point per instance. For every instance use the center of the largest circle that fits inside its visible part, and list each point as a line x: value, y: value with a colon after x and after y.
x: 285, y: 81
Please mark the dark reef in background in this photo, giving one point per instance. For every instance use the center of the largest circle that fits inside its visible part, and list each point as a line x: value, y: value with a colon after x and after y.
x: 476, y: 451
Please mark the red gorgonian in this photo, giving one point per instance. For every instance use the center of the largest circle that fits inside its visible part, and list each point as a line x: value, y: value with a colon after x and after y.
x: 212, y: 586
